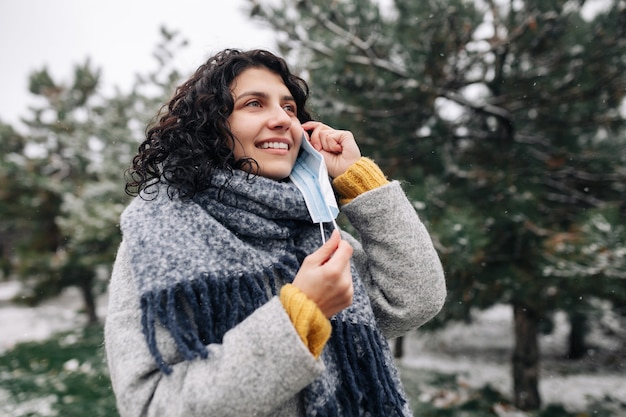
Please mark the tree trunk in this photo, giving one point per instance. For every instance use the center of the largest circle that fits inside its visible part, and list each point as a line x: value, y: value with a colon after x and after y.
x: 398, y: 348
x: 526, y: 359
x: 86, y: 287
x: 578, y: 330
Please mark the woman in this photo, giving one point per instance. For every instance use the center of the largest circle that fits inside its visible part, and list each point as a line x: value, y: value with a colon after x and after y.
x: 224, y: 298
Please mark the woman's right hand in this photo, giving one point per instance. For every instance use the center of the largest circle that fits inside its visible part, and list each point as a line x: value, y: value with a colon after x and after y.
x: 325, y: 277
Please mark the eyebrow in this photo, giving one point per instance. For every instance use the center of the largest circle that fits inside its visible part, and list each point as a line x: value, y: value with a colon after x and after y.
x: 260, y: 94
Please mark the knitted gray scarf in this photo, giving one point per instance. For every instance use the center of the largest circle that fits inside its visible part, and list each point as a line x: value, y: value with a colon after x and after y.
x: 202, y: 266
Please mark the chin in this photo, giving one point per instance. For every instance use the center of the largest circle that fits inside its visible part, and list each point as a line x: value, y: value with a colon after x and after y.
x: 275, y: 174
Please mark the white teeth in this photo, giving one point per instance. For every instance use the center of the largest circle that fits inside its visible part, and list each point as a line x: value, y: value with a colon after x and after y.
x: 274, y: 145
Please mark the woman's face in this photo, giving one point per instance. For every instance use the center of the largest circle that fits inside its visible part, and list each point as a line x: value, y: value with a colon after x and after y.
x: 264, y: 122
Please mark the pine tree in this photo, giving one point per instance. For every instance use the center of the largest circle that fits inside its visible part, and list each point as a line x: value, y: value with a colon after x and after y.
x: 504, y: 120
x: 27, y: 210
x: 70, y: 185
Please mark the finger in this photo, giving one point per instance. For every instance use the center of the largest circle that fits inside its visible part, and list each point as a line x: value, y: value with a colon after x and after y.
x: 312, y: 128
x: 327, y: 250
x: 339, y: 263
x: 316, y: 139
x: 343, y: 253
x: 331, y: 141
x: 310, y: 125
x: 318, y: 130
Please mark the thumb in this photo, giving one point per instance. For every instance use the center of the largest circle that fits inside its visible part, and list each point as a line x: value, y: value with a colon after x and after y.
x: 323, y: 254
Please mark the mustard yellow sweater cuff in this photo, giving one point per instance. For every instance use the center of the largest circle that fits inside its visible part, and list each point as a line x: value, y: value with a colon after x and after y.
x: 362, y: 176
x: 310, y: 323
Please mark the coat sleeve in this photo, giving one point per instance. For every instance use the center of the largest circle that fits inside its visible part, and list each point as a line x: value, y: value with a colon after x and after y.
x: 396, y: 259
x: 259, y: 368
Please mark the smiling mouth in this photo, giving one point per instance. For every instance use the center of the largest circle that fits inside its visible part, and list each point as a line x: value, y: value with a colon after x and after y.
x: 274, y: 145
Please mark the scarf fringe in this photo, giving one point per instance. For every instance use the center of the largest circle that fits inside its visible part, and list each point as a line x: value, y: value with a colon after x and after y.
x: 199, y: 312
x: 366, y: 381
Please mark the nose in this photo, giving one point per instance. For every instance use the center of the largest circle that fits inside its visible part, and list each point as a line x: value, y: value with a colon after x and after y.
x: 279, y: 118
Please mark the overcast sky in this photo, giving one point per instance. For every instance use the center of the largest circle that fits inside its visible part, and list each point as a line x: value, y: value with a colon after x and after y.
x: 118, y: 35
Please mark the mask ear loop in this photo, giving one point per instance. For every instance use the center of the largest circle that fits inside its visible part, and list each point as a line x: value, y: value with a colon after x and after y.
x: 322, y: 230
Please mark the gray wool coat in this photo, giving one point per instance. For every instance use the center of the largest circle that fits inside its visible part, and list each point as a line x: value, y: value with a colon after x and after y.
x: 262, y: 365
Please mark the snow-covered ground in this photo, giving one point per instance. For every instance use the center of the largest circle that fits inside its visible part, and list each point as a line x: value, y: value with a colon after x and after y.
x: 19, y: 323
x: 479, y: 353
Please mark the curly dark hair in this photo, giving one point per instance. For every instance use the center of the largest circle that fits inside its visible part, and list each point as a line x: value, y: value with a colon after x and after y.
x: 192, y: 137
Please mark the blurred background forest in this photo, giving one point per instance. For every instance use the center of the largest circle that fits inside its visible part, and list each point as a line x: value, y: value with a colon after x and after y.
x: 505, y: 120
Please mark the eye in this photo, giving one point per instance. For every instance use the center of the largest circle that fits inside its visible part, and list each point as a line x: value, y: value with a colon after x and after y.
x: 291, y: 108
x: 253, y: 103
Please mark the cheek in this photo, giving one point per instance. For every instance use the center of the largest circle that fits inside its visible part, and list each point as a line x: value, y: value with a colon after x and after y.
x: 296, y: 135
x: 238, y: 150
x: 236, y: 145
x: 298, y: 147
x: 239, y: 133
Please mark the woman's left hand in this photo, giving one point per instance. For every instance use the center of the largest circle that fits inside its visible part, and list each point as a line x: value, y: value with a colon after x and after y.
x: 338, y: 147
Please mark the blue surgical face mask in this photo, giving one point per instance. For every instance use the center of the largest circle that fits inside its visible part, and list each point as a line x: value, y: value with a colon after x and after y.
x: 310, y: 175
